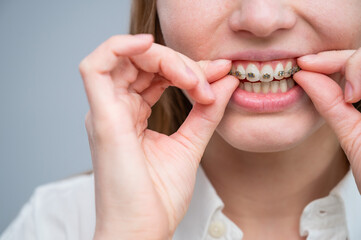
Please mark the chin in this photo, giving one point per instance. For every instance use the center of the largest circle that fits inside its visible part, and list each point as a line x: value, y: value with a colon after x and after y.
x: 269, y: 132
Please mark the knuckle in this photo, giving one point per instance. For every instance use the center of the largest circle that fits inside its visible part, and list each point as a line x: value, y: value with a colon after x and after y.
x: 166, y: 52
x: 84, y: 66
x: 114, y: 40
x: 111, y: 41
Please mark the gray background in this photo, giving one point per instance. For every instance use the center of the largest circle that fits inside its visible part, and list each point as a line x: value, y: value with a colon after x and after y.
x: 42, y: 100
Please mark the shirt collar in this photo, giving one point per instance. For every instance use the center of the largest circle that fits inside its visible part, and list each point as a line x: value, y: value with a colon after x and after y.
x: 205, y: 202
x: 348, y: 192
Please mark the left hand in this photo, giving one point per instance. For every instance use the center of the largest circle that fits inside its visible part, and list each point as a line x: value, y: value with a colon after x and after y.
x: 330, y: 101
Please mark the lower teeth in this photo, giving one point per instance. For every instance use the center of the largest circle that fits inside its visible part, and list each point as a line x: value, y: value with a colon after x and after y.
x: 265, y: 87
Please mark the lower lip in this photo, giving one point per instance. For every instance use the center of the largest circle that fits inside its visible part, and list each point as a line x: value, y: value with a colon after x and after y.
x: 267, y: 103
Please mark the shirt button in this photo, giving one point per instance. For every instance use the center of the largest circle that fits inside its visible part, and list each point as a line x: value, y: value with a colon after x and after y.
x: 321, y: 213
x: 216, y: 229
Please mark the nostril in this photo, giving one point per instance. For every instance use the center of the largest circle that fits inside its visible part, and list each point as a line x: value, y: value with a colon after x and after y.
x: 259, y: 18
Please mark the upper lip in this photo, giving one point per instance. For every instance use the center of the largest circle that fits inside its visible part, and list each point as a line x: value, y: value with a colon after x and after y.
x: 261, y: 55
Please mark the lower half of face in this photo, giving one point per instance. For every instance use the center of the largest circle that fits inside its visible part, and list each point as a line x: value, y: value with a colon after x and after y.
x: 209, y: 29
x: 269, y: 132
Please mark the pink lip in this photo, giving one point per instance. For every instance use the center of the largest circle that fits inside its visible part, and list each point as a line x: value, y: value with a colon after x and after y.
x: 266, y: 103
x: 261, y: 55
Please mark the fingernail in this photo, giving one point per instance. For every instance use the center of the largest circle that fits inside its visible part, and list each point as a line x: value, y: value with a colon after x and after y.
x: 308, y: 58
x: 220, y: 63
x: 143, y: 36
x: 348, y: 91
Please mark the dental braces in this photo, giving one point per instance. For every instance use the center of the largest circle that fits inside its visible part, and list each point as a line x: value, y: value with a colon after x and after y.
x: 292, y: 71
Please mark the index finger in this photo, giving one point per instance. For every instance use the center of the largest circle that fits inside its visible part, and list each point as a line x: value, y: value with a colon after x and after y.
x: 172, y: 67
x: 327, y: 62
x: 96, y: 66
x: 347, y: 62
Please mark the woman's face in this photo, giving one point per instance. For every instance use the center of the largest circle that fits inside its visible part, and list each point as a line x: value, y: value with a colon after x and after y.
x: 262, y: 32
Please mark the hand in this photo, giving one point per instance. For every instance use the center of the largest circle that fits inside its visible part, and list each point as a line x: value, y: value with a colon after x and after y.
x: 331, y: 103
x: 144, y: 180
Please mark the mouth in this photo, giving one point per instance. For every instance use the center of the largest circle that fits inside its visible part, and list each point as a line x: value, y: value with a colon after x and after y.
x: 266, y: 86
x: 265, y: 77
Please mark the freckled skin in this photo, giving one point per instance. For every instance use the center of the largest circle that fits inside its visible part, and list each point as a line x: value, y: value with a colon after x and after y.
x: 203, y: 29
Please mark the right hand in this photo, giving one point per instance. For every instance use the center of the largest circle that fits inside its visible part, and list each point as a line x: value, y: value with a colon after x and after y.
x: 144, y: 180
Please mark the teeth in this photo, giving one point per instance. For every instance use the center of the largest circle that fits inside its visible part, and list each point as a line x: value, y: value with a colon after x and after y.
x: 278, y: 73
x: 265, y: 80
x: 283, y: 85
x: 266, y: 73
x: 290, y: 83
x: 275, y: 86
x: 252, y: 73
x: 256, y: 87
x: 265, y: 87
x: 248, y: 86
x: 240, y: 72
x: 233, y: 70
x: 288, y: 69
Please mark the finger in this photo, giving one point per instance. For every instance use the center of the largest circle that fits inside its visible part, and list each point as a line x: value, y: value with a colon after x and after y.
x: 201, y: 122
x: 171, y: 66
x: 325, y: 62
x: 105, y: 57
x: 152, y: 94
x: 210, y: 71
x: 328, y: 99
x: 94, y: 69
x: 144, y: 80
x: 215, y: 70
x: 347, y: 62
x: 207, y: 72
x: 353, y: 77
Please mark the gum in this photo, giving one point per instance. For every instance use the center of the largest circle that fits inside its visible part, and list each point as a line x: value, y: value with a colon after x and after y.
x: 260, y: 65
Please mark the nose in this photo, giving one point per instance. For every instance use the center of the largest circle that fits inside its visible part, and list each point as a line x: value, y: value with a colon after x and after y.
x: 262, y: 17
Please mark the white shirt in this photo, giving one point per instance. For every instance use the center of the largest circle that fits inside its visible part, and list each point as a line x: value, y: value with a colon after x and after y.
x: 66, y: 210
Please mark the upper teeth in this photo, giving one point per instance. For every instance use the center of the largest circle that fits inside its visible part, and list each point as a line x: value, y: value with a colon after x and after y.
x: 279, y: 72
x: 267, y: 74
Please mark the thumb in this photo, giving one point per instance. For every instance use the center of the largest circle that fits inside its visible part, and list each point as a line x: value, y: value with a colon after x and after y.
x: 343, y: 118
x: 327, y: 96
x: 215, y: 69
x: 202, y: 121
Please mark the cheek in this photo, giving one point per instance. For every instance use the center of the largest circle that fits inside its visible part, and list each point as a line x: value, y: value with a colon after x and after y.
x: 188, y: 26
x: 337, y: 23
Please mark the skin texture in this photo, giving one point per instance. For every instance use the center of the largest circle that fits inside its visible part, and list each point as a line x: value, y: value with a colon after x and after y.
x: 144, y: 180
x: 256, y: 25
x: 265, y: 167
x: 248, y: 150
